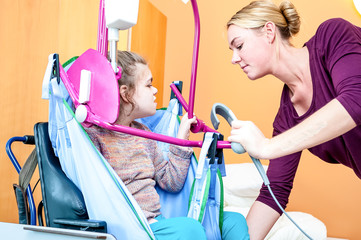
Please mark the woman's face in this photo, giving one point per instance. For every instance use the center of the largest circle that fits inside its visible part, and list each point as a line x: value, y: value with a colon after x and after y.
x: 144, y: 95
x: 251, y: 50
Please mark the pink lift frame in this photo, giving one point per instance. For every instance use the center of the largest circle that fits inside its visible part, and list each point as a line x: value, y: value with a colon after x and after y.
x: 102, y: 46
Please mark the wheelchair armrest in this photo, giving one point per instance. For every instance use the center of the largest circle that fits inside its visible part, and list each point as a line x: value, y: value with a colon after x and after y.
x: 83, y: 224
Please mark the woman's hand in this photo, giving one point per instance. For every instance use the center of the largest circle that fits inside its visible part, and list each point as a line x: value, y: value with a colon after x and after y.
x: 330, y: 121
x: 185, y: 126
x: 250, y: 137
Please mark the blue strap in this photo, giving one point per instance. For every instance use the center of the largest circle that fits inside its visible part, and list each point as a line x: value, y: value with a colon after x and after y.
x: 166, y: 122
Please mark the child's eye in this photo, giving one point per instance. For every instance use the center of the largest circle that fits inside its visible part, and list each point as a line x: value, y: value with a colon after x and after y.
x: 239, y: 47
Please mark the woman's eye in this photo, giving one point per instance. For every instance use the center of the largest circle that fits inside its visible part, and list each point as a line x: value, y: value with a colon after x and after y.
x: 239, y: 47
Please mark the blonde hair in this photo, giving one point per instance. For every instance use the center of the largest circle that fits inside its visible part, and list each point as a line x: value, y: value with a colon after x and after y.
x: 258, y: 13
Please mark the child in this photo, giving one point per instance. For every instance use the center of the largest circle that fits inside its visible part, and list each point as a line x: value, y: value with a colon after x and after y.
x: 138, y: 161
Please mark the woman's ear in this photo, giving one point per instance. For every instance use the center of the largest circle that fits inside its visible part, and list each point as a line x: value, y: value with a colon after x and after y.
x: 123, y: 92
x: 270, y: 30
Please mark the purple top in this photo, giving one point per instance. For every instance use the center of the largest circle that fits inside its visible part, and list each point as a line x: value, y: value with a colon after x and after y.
x: 335, y: 60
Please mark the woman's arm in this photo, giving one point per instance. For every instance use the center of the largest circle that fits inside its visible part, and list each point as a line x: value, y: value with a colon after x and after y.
x: 260, y: 220
x: 329, y: 122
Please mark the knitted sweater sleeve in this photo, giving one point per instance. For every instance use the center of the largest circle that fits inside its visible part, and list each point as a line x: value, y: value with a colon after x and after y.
x: 171, y: 174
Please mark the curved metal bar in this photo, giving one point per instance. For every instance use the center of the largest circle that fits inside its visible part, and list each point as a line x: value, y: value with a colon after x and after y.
x: 195, y: 58
x: 31, y: 205
x: 179, y: 96
x: 10, y: 152
x: 150, y: 135
x: 102, y: 40
x: 18, y: 169
x: 65, y: 79
x: 200, y: 126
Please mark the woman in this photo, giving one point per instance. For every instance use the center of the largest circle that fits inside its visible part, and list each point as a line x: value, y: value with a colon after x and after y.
x: 320, y: 106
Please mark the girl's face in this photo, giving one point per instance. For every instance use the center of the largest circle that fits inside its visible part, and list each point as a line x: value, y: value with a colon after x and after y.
x: 251, y: 50
x: 144, y: 95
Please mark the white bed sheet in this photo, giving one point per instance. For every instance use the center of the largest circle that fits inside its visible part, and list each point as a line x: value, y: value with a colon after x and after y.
x: 241, y: 188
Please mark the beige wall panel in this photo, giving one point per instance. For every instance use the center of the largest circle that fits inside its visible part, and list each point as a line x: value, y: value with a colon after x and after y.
x: 26, y: 39
x: 30, y: 31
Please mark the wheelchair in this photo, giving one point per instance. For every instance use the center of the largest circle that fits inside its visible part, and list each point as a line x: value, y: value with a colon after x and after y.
x: 62, y: 203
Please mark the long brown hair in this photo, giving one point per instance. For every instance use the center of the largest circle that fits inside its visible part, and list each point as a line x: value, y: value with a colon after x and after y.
x: 128, y: 61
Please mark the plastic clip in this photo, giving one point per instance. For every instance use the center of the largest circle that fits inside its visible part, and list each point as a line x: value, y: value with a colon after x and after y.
x: 55, y: 73
x: 213, y: 152
x: 179, y: 85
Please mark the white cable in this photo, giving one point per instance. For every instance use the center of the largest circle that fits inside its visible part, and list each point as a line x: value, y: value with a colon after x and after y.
x: 279, y: 205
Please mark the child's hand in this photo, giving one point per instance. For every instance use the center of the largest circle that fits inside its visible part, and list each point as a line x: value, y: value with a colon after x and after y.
x: 185, y: 125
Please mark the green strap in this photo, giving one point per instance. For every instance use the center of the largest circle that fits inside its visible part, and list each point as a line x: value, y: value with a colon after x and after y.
x: 221, y: 200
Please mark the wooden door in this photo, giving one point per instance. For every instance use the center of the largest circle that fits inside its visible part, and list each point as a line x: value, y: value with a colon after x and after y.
x: 148, y: 39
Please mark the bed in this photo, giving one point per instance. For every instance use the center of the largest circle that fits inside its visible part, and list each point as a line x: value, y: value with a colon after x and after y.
x: 241, y: 188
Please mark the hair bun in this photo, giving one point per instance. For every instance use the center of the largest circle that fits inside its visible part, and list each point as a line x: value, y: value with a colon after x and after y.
x: 291, y: 15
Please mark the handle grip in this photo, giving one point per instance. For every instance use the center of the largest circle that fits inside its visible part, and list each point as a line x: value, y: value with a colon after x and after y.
x: 224, y: 111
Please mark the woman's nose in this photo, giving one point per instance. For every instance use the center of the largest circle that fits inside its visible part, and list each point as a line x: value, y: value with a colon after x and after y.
x: 235, y: 58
